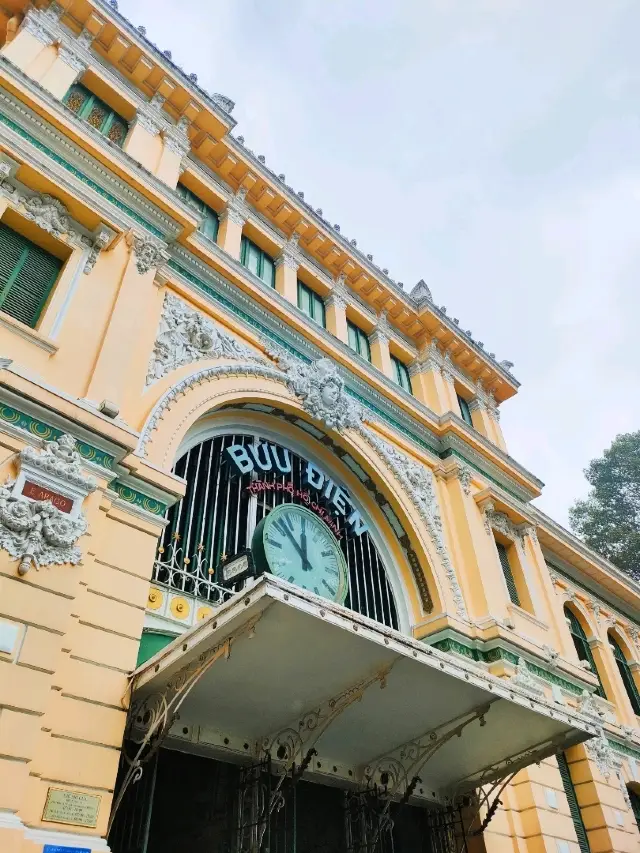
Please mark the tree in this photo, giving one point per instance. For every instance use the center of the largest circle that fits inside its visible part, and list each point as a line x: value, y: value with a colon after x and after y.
x: 608, y: 520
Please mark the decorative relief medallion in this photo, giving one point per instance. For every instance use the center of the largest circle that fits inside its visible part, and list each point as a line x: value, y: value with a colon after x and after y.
x: 42, y: 532
x: 148, y: 253
x: 185, y: 335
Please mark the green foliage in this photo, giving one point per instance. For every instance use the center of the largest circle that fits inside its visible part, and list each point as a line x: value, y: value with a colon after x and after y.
x: 608, y: 520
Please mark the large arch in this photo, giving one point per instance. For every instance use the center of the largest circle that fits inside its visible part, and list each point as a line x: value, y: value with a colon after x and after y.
x: 214, y: 388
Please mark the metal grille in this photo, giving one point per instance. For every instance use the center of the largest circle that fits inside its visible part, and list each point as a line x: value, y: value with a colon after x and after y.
x: 219, y: 513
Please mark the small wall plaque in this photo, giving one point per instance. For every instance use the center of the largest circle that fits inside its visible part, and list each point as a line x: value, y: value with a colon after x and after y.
x: 72, y: 807
x: 42, y: 493
x: 55, y: 848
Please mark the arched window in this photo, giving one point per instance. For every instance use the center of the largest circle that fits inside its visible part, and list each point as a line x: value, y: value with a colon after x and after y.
x: 635, y: 804
x: 582, y: 647
x: 625, y: 674
x: 222, y: 506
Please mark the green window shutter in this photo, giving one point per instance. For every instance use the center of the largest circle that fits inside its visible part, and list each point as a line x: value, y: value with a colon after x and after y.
x: 210, y: 220
x: 465, y: 411
x: 268, y: 269
x: 626, y: 675
x: 258, y: 262
x: 311, y: 304
x: 27, y: 274
x: 574, y: 808
x: 582, y: 647
x: 508, y: 573
x: 358, y: 341
x: 95, y: 112
x: 401, y: 374
x: 635, y: 805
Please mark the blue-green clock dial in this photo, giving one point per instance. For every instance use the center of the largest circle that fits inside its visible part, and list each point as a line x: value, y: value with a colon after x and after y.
x: 295, y: 545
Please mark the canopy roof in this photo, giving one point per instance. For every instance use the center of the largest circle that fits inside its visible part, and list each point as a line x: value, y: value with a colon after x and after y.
x: 277, y: 669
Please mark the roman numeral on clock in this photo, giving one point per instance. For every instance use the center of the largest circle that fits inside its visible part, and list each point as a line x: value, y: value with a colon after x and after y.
x: 328, y: 587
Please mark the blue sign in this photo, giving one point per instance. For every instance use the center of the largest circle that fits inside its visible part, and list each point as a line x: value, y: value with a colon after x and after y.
x: 55, y: 848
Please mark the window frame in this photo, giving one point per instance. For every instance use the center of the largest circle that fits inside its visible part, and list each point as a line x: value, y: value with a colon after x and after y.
x: 507, y: 572
x: 401, y: 374
x: 582, y: 647
x: 626, y: 675
x: 465, y: 410
x: 85, y: 111
x: 316, y: 304
x: 246, y: 244
x: 361, y: 340
x: 207, y: 212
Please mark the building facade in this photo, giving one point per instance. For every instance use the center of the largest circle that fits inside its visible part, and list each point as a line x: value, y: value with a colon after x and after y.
x: 269, y: 578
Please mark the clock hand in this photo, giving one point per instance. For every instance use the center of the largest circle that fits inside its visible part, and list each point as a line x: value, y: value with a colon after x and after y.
x: 306, y: 565
x: 303, y: 556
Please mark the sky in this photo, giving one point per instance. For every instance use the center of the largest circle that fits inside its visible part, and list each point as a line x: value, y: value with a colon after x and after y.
x: 491, y: 147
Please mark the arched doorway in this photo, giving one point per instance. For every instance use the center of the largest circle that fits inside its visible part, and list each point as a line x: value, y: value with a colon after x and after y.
x: 223, y: 505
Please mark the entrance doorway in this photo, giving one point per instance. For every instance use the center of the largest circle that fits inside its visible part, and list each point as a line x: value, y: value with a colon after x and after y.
x: 186, y: 802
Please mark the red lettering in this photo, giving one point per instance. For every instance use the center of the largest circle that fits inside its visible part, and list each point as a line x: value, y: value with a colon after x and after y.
x: 41, y: 493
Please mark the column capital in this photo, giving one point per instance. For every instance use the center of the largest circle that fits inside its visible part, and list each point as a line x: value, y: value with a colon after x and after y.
x: 382, y: 330
x: 429, y: 358
x: 70, y: 56
x: 148, y: 253
x: 176, y: 138
x: 448, y: 370
x: 339, y: 295
x: 290, y: 254
x: 34, y: 24
x: 237, y: 209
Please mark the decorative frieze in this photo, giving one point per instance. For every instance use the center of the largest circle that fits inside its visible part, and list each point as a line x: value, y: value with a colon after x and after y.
x: 40, y: 517
x: 525, y: 679
x: 185, y: 336
x: 148, y: 253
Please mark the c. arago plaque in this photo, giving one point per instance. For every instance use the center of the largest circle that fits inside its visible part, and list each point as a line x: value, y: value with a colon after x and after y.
x: 72, y: 807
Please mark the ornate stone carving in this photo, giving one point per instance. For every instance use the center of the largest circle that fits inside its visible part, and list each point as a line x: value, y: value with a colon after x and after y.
x: 237, y: 209
x: 225, y: 104
x: 448, y: 370
x: 86, y: 38
x: 290, y: 254
x: 321, y: 390
x: 147, y: 121
x: 525, y: 679
x: 417, y: 481
x: 421, y: 293
x: 101, y: 242
x: 588, y: 706
x: 72, y: 58
x: 382, y: 331
x: 185, y: 336
x: 148, y: 253
x: 465, y: 475
x: 33, y: 24
x: 47, y: 212
x: 176, y: 138
x: 430, y: 358
x: 495, y: 520
x: 37, y: 532
x: 601, y: 753
x: 339, y: 295
x: 550, y: 655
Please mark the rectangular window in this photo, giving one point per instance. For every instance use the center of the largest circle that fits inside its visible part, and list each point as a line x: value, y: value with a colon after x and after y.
x: 27, y: 274
x: 358, y: 341
x: 311, y: 304
x: 465, y: 411
x: 507, y: 571
x: 210, y: 221
x: 574, y: 808
x: 95, y: 112
x: 401, y: 374
x: 257, y: 261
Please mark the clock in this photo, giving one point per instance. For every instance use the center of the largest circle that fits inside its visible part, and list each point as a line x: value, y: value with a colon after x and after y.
x: 295, y: 545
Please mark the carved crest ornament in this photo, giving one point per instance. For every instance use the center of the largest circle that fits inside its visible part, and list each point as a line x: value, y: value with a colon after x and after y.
x: 36, y: 532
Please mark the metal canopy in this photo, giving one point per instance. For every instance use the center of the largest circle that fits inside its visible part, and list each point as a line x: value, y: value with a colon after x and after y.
x: 277, y: 670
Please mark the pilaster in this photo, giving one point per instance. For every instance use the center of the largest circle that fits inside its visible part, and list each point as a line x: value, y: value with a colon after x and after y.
x: 232, y: 220
x: 67, y: 68
x: 121, y: 367
x: 29, y: 42
x: 143, y: 141
x: 379, y: 343
x: 336, y: 310
x: 427, y: 381
x: 287, y: 264
x: 175, y: 148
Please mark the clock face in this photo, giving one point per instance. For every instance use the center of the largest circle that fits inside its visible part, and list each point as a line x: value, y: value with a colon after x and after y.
x: 298, y: 547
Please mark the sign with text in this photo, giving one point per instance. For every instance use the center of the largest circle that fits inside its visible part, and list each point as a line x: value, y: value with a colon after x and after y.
x: 270, y: 457
x: 55, y: 848
x: 42, y: 493
x: 72, y: 807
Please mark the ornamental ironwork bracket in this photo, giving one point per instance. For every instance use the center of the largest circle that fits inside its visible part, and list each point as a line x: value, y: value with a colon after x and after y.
x: 151, y: 718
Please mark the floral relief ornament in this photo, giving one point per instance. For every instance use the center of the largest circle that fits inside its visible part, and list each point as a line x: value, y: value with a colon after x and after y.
x: 185, y: 336
x: 36, y: 532
x: 148, y: 253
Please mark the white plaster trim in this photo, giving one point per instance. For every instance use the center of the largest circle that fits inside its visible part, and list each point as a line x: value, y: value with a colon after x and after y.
x: 71, y: 291
x: 29, y: 334
x: 10, y: 820
x: 67, y: 839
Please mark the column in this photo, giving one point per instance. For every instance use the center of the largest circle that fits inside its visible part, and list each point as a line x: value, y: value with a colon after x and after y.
x: 379, y: 343
x: 120, y: 359
x: 448, y: 377
x: 427, y: 381
x: 336, y: 310
x: 494, y: 417
x: 175, y: 148
x: 143, y: 141
x: 232, y: 220
x: 287, y: 264
x: 31, y: 40
x: 67, y: 68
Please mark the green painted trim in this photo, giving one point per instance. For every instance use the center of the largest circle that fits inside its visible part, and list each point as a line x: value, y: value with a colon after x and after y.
x: 451, y: 452
x: 497, y: 654
x: 622, y: 747
x: 591, y: 592
x: 48, y: 433
x: 131, y: 496
x: 78, y: 174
